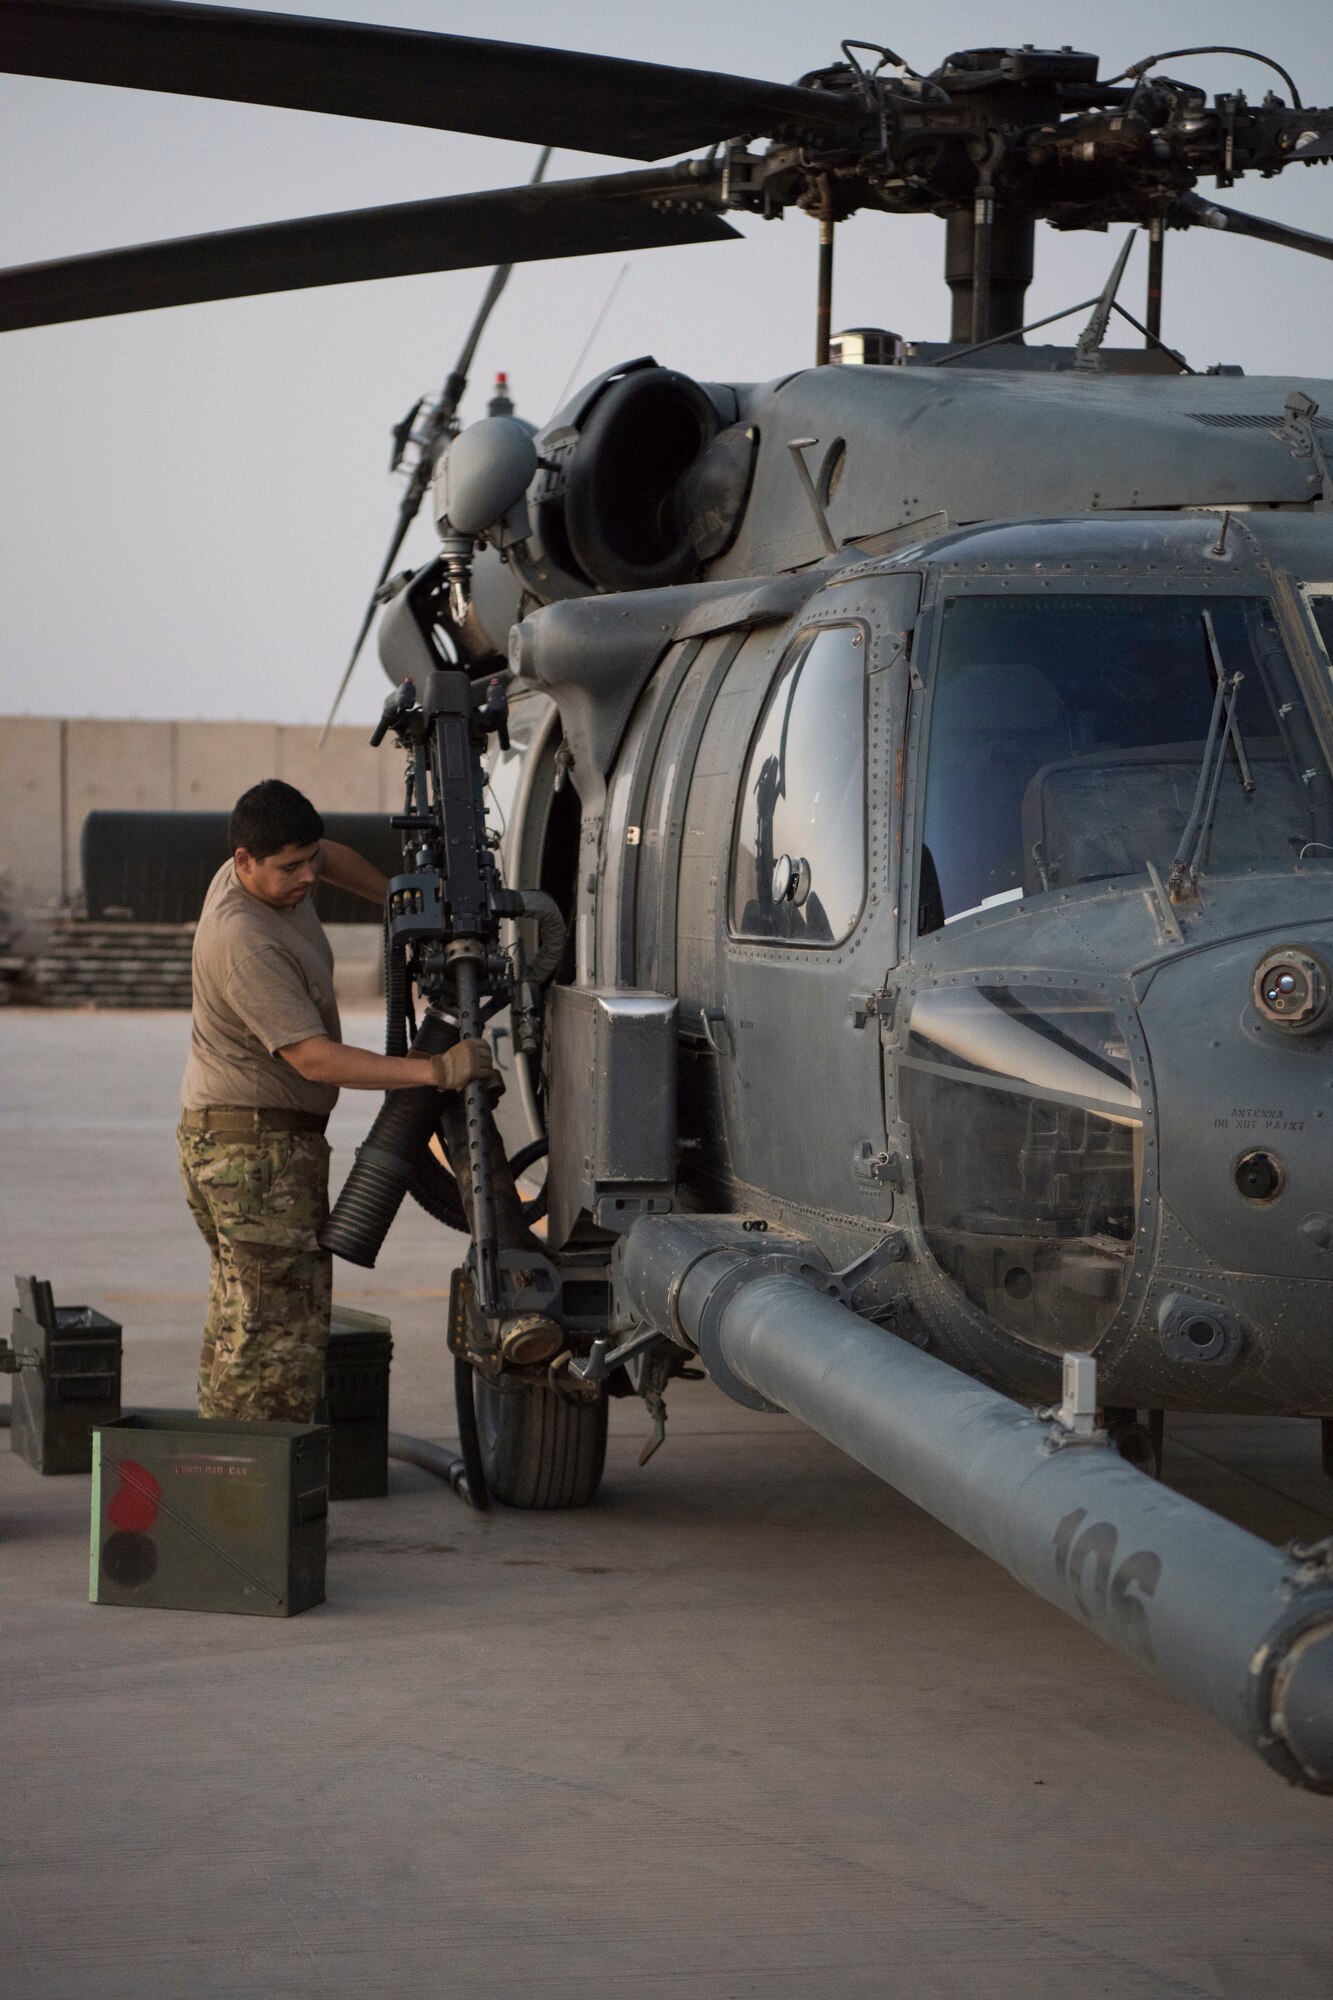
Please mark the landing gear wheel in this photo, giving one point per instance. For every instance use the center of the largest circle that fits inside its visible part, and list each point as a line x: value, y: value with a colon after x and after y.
x: 538, y: 1448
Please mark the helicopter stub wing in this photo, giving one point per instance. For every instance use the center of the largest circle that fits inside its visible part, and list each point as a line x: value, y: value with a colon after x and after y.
x: 505, y: 225
x: 456, y: 83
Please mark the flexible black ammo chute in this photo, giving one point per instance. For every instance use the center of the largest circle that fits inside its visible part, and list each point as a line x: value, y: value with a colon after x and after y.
x: 388, y: 1161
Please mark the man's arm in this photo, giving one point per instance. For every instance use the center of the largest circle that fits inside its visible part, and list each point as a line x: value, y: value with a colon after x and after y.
x: 344, y: 868
x: 320, y: 1060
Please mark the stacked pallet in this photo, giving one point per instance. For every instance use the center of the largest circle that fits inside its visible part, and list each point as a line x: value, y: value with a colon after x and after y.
x: 14, y: 970
x: 84, y: 964
x: 14, y: 961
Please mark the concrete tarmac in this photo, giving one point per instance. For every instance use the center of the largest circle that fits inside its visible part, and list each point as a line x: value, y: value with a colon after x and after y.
x: 750, y: 1728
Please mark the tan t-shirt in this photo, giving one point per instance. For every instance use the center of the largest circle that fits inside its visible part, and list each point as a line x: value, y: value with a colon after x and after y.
x: 263, y: 979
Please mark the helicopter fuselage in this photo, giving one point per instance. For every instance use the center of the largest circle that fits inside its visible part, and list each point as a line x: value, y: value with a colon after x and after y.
x: 951, y: 870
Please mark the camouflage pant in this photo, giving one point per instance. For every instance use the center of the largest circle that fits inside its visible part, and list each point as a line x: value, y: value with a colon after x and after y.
x: 261, y: 1203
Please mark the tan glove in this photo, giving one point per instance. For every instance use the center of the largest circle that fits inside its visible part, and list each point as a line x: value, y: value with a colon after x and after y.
x: 464, y: 1063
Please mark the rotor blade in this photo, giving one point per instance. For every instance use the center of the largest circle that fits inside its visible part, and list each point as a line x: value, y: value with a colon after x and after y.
x: 636, y: 211
x: 437, y: 426
x: 1212, y: 215
x: 407, y: 513
x: 556, y: 97
x: 490, y: 299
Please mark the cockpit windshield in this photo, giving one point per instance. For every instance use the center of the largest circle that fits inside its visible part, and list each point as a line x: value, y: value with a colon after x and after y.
x: 1067, y: 737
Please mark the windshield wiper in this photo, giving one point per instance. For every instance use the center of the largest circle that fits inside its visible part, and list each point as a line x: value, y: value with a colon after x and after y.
x: 1233, y: 726
x: 1223, y: 729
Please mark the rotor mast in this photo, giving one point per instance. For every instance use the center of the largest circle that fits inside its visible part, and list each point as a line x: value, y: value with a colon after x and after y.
x: 989, y: 289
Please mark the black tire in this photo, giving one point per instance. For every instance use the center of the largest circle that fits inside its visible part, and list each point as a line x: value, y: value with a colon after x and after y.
x: 537, y: 1448
x: 1136, y: 1444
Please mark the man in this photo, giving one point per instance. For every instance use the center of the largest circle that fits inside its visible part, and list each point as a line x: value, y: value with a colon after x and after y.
x: 266, y: 1063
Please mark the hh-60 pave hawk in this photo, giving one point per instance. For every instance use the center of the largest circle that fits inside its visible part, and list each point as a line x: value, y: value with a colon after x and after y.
x: 911, y: 928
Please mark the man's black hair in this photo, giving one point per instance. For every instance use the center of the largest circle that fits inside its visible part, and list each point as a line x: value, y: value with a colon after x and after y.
x: 271, y: 816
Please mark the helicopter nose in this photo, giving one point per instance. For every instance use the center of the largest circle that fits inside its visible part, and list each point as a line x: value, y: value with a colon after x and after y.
x: 1244, y: 1081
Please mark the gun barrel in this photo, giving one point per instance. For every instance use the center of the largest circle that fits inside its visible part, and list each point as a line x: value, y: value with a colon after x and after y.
x: 477, y: 1110
x: 1230, y: 1622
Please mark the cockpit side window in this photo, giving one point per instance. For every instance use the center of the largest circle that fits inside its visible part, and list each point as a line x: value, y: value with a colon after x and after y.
x: 798, y: 868
x: 1067, y: 735
x: 1319, y: 597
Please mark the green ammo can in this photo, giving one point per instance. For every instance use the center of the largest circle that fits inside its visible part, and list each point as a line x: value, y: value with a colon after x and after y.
x: 66, y: 1364
x: 355, y: 1404
x: 209, y: 1514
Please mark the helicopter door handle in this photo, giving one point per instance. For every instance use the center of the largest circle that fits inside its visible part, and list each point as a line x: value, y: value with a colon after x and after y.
x: 712, y: 1018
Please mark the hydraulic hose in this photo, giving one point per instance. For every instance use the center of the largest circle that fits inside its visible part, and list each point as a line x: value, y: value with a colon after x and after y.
x: 528, y: 1156
x: 550, y: 932
x: 446, y: 1465
x: 469, y: 1438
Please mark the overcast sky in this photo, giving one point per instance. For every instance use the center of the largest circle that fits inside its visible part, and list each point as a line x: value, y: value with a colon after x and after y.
x: 196, y: 501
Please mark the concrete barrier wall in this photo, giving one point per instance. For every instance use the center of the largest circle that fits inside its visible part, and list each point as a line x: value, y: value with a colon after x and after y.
x: 54, y: 772
x: 32, y: 792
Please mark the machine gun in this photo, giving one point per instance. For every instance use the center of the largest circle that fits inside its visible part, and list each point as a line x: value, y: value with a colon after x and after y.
x: 442, y: 935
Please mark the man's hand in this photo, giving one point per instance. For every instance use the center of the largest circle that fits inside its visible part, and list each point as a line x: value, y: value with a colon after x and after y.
x: 322, y: 1061
x: 467, y: 1062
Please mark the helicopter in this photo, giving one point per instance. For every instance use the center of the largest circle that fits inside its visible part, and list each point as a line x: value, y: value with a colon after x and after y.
x: 908, y: 939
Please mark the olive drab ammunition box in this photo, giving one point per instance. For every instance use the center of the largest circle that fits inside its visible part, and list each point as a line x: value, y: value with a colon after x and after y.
x: 66, y: 1379
x: 209, y: 1514
x: 355, y: 1405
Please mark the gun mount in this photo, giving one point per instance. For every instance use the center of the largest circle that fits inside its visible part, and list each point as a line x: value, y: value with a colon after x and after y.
x: 442, y: 936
